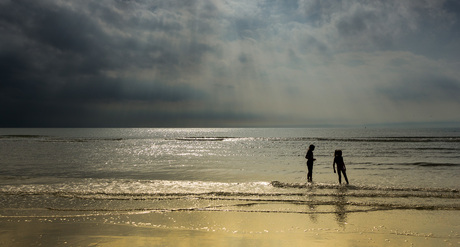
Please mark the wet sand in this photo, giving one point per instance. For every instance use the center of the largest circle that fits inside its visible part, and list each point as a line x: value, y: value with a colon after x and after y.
x: 227, y: 228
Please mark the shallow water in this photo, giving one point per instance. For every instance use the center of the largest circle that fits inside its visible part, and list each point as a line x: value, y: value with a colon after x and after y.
x: 68, y: 172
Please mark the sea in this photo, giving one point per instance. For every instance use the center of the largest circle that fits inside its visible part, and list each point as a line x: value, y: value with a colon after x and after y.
x: 74, y: 172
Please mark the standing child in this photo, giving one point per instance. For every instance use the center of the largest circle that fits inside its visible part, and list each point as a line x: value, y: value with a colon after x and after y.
x: 310, y: 160
x: 340, y: 165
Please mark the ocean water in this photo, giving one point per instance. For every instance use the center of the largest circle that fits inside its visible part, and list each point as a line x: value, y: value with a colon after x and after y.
x: 74, y: 172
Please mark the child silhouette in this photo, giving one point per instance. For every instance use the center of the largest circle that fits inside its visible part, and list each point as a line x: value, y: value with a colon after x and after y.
x: 338, y: 159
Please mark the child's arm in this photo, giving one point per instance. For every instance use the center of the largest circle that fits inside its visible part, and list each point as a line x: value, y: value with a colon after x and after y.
x: 333, y: 165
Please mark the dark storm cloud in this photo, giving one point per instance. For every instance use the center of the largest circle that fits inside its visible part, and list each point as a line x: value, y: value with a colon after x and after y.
x: 56, y: 55
x: 197, y: 62
x: 92, y: 41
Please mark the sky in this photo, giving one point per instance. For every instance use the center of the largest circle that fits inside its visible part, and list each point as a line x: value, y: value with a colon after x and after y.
x: 229, y: 63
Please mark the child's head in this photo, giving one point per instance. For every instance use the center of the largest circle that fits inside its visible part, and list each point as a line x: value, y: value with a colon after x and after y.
x: 312, y: 147
x: 338, y: 152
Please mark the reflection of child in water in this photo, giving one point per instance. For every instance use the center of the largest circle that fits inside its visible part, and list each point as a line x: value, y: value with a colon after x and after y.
x: 340, y: 165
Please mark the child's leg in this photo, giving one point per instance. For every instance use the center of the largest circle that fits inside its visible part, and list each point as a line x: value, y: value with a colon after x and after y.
x: 340, y: 177
x: 345, y: 175
x: 310, y: 172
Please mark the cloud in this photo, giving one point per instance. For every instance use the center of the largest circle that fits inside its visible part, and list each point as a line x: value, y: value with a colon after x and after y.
x: 423, y: 89
x: 227, y: 63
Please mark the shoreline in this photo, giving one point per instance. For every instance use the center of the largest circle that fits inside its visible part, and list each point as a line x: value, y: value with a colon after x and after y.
x: 209, y: 228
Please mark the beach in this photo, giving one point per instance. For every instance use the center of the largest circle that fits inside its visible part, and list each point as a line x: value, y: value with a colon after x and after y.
x: 228, y: 187
x: 206, y: 123
x: 203, y: 228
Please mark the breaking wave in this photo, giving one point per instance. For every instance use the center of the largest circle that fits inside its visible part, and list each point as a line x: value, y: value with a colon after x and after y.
x: 104, y: 197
